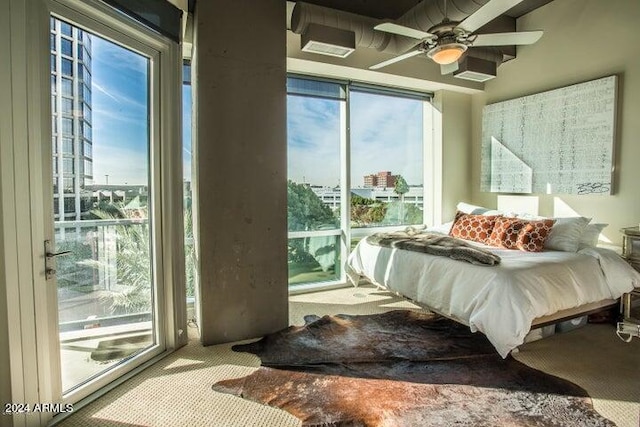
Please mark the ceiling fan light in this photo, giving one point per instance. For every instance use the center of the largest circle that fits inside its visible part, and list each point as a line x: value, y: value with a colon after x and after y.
x: 447, y: 53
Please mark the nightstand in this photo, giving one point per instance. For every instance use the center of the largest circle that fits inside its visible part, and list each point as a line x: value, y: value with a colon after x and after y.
x: 629, y: 326
x: 631, y: 246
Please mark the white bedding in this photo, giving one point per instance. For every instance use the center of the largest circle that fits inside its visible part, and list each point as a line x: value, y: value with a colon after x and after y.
x: 500, y: 301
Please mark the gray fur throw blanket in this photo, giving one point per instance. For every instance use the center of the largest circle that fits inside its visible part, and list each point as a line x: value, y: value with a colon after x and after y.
x: 435, y: 244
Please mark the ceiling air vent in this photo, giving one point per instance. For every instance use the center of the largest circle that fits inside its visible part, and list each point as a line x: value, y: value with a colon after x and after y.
x: 475, y: 69
x: 328, y: 41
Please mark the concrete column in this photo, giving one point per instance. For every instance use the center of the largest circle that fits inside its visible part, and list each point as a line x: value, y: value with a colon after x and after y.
x: 240, y: 164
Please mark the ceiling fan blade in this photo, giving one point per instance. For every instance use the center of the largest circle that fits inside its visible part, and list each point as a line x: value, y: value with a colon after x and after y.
x: 486, y: 13
x: 449, y: 68
x: 401, y: 30
x: 506, y: 39
x: 396, y: 59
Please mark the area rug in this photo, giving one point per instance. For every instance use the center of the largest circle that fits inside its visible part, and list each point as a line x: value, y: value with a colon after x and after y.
x: 403, y: 368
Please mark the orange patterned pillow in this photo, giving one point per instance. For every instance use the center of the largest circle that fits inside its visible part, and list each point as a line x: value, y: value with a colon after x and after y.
x: 473, y: 227
x: 505, y: 232
x: 532, y: 236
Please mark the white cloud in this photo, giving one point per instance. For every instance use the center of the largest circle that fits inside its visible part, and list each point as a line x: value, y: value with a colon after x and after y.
x: 95, y: 85
x: 314, y: 141
x: 123, y: 165
x: 386, y: 135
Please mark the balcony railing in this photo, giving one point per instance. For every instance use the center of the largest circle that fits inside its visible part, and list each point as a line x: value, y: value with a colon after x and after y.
x: 91, y: 285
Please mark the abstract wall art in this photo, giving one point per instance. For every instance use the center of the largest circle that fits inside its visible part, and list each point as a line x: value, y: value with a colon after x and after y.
x: 555, y: 142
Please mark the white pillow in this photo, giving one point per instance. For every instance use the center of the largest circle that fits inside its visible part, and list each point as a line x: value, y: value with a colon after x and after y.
x: 471, y: 209
x: 591, y: 235
x: 479, y: 210
x: 566, y: 234
x: 530, y: 217
x: 442, y: 228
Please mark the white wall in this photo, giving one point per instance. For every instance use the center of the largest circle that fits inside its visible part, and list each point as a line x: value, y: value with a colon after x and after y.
x: 583, y: 40
x: 5, y: 386
x: 456, y: 155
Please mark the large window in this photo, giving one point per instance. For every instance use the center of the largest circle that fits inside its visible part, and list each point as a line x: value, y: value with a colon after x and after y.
x: 315, y: 114
x: 355, y: 164
x: 189, y: 247
x: 387, y: 168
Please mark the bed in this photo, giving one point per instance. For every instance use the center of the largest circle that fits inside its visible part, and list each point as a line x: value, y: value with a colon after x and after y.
x: 505, y: 301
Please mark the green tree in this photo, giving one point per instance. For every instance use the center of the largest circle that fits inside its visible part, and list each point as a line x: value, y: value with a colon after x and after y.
x: 366, y: 212
x: 189, y: 250
x: 401, y: 188
x: 305, y: 209
x: 132, y: 267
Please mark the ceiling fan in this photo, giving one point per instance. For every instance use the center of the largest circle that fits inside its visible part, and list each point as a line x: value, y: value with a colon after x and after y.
x: 446, y: 42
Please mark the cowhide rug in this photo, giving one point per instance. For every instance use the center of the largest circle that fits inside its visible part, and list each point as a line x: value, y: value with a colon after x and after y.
x: 403, y: 368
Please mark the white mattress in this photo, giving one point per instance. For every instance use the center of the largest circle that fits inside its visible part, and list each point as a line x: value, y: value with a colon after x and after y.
x: 500, y: 301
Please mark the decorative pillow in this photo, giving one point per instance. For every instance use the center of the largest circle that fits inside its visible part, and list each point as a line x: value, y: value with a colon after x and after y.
x: 476, y: 228
x: 566, y: 234
x: 532, y: 236
x: 591, y: 235
x: 505, y: 232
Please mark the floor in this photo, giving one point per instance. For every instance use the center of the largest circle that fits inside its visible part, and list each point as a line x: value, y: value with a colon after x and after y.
x: 177, y: 390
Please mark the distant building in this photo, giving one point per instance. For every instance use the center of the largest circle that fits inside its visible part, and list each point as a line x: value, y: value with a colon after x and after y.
x: 117, y: 194
x: 386, y: 180
x: 383, y: 179
x: 371, y: 181
x: 71, y: 108
x: 331, y: 196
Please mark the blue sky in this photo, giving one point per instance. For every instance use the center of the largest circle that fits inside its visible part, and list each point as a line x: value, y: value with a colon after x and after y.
x: 386, y: 131
x: 313, y: 133
x: 121, y: 115
x: 386, y: 135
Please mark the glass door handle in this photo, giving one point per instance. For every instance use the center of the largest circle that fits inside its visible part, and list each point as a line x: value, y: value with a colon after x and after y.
x: 49, y: 254
x: 53, y: 255
x: 49, y: 271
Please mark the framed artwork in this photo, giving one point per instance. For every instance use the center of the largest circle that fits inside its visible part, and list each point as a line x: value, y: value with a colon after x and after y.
x: 555, y: 142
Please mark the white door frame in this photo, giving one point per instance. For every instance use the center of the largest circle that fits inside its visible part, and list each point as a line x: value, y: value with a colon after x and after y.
x: 25, y: 208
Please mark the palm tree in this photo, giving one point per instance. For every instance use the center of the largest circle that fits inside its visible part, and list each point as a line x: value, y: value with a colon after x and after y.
x: 401, y: 187
x: 132, y: 267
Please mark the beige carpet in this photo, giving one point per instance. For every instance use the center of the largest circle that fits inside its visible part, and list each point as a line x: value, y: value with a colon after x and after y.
x: 177, y: 390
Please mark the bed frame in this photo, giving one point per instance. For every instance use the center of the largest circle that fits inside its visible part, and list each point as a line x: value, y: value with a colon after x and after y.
x: 560, y: 316
x: 572, y: 313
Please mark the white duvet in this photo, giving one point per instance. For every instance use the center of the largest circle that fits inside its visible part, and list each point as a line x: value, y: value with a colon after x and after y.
x: 500, y: 301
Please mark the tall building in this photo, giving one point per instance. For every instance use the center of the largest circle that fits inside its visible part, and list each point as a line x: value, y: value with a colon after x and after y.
x: 382, y: 179
x: 386, y: 180
x: 371, y: 180
x: 71, y: 120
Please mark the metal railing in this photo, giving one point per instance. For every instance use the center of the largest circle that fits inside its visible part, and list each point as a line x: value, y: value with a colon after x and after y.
x: 91, y: 291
